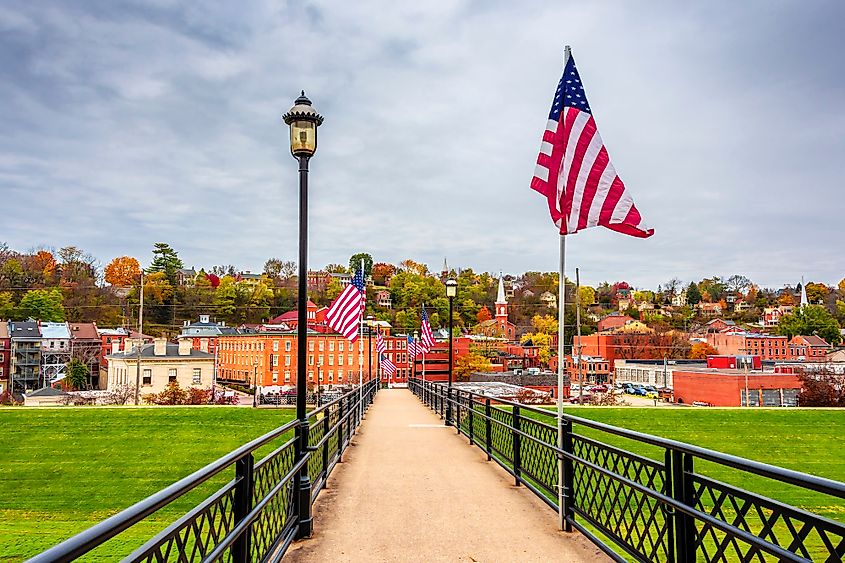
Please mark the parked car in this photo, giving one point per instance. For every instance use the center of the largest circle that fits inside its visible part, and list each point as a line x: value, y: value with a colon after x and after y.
x: 639, y: 391
x: 585, y: 398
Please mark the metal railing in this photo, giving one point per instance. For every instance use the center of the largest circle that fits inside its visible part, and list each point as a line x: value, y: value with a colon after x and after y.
x: 253, y: 517
x: 634, y: 507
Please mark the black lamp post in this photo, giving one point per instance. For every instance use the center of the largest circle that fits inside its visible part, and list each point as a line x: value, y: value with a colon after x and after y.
x: 303, y: 121
x: 369, y: 347
x: 451, y: 291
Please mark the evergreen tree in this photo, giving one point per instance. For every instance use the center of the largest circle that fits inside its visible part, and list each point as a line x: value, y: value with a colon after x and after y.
x: 693, y: 294
x: 167, y: 261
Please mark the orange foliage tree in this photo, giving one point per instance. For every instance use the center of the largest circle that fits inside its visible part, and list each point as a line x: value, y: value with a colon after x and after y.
x: 700, y: 351
x: 123, y: 271
x: 483, y: 315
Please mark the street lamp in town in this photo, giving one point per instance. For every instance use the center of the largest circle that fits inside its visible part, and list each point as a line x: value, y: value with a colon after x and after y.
x: 254, y: 383
x: 451, y: 292
x: 303, y: 121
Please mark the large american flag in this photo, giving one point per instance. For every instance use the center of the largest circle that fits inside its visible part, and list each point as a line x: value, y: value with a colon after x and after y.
x: 426, y: 336
x: 345, y: 313
x: 412, y: 349
x: 387, y: 366
x: 574, y: 170
x: 381, y: 347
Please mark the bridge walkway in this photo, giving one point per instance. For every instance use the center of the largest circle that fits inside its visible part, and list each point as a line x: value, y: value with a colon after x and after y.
x: 410, y: 489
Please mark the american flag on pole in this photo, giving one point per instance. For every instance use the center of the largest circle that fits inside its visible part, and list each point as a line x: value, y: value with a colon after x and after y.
x: 345, y: 313
x: 574, y: 171
x: 381, y: 347
x: 412, y: 349
x: 426, y: 336
x: 387, y: 366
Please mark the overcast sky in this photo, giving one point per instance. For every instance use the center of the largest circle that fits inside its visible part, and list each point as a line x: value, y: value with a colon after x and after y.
x: 128, y: 123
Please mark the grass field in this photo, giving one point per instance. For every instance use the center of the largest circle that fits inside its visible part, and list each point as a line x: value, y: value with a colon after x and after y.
x: 807, y: 440
x: 64, y: 469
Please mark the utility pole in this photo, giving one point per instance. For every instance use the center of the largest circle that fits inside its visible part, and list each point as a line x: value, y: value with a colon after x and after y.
x: 140, y: 341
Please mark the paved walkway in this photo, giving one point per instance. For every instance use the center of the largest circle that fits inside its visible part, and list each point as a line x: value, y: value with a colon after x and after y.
x: 410, y: 489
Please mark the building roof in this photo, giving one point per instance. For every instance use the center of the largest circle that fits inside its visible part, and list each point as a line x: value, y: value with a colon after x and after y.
x: 55, y: 330
x: 814, y: 340
x: 84, y: 331
x: 47, y: 392
x: 24, y: 329
x: 148, y: 351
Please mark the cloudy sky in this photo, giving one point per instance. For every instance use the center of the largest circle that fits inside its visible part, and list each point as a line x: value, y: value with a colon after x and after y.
x: 128, y: 123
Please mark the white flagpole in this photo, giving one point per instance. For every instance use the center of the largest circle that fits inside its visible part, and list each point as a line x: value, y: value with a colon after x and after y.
x: 561, y: 358
x: 360, y: 346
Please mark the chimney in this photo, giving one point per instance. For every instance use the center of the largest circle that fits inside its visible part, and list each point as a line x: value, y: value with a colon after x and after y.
x: 115, y: 346
x: 204, y: 318
x: 185, y: 346
x: 185, y: 323
x: 160, y: 346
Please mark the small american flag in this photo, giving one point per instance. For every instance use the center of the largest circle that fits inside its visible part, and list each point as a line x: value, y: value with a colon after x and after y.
x: 345, y: 313
x: 426, y: 336
x: 412, y: 349
x: 574, y: 170
x: 387, y: 366
x: 381, y: 347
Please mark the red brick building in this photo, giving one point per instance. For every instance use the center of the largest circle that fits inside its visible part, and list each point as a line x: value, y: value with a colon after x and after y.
x: 5, y: 353
x: 726, y: 388
x: 114, y: 340
x: 397, y: 352
x: 592, y: 369
x: 770, y: 347
x: 270, y: 358
x: 811, y: 348
x: 613, y: 321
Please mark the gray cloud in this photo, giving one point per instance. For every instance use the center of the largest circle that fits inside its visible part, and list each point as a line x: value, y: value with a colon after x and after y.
x: 130, y: 123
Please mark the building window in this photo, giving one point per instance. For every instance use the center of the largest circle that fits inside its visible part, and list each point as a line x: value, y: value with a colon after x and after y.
x: 321, y: 345
x: 331, y: 346
x: 340, y: 360
x: 287, y: 359
x: 287, y: 346
x: 340, y: 346
x: 275, y: 345
x: 311, y: 346
x: 311, y: 360
x: 310, y: 376
x: 147, y: 377
x: 331, y: 360
x: 275, y: 376
x: 197, y: 379
x: 287, y: 376
x: 171, y: 375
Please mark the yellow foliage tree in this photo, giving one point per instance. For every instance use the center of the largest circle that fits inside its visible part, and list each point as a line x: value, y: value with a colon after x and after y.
x: 157, y: 287
x: 466, y: 364
x: 545, y: 324
x: 700, y: 351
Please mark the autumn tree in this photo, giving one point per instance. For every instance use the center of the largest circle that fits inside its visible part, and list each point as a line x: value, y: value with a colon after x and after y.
x: 483, y: 315
x: 544, y: 324
x: 382, y: 272
x: 7, y: 305
x: 467, y: 364
x: 700, y: 351
x: 817, y: 293
x: 77, y: 267
x: 279, y: 270
x: 336, y: 269
x: 123, y: 271
x: 413, y: 267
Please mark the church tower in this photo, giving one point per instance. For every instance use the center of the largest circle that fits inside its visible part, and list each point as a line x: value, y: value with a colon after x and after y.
x: 502, y: 307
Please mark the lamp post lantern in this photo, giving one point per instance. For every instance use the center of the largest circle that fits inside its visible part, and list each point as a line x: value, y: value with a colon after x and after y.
x: 451, y: 292
x: 303, y: 121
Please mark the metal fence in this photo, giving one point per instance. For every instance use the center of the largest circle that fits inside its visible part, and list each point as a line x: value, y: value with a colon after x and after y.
x: 254, y: 516
x: 660, y: 507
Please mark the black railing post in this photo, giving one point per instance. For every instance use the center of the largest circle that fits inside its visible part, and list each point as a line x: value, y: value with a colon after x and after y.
x: 326, y: 440
x: 517, y: 445
x: 242, y: 505
x: 471, y: 420
x: 341, y: 438
x: 682, y: 491
x: 448, y: 414
x: 488, y: 428
x: 303, y: 515
x: 568, y: 477
x: 457, y: 421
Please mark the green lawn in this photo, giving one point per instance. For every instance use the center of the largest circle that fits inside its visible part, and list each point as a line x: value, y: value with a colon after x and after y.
x: 64, y: 469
